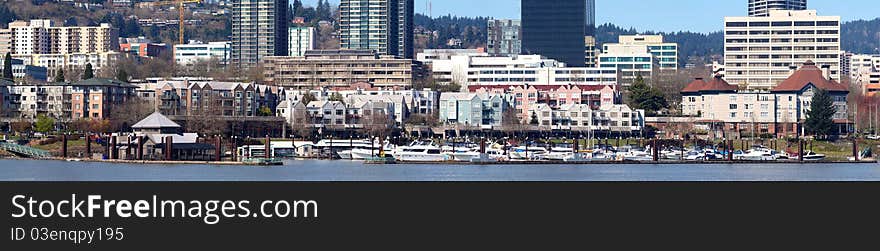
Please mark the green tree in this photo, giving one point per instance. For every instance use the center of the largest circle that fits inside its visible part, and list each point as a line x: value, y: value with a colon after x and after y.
x: 336, y: 97
x: 7, y: 66
x: 308, y: 98
x: 534, y: 120
x: 644, y: 96
x: 121, y: 75
x: 820, y: 117
x: 265, y: 111
x: 89, y: 73
x: 44, y: 124
x: 59, y: 77
x: 297, y: 8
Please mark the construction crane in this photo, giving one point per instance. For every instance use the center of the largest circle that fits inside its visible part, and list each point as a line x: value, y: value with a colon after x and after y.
x: 180, y: 7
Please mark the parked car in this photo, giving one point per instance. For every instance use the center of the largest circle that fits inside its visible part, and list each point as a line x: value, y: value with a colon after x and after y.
x: 873, y: 137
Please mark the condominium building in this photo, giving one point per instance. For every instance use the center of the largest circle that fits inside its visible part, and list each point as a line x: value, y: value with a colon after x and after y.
x: 517, y: 70
x: 630, y: 60
x: 301, y: 39
x: 70, y: 61
x: 665, y: 53
x: 865, y: 73
x: 146, y: 50
x: 473, y: 109
x: 201, y: 96
x: 615, y: 118
x: 5, y: 41
x: 556, y: 28
x: 504, y: 37
x: 779, y: 111
x: 761, y: 52
x: 338, y: 68
x: 189, y: 54
x: 762, y: 8
x: 20, y: 70
x: 524, y: 98
x: 591, y: 52
x: 428, y: 56
x: 87, y: 99
x: 259, y: 30
x: 41, y: 36
x: 384, y: 26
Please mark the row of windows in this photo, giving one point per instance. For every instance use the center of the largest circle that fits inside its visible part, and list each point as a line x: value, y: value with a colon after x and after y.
x: 782, y: 24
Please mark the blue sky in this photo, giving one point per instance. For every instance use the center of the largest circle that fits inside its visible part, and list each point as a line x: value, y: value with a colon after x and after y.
x: 660, y: 15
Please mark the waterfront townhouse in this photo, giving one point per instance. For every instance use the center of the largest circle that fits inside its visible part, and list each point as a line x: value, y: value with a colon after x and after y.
x: 326, y: 114
x: 338, y: 68
x: 780, y: 111
x: 762, y: 51
x: 471, y: 109
x: 524, y: 97
x: 608, y: 119
x: 191, y: 97
x: 86, y: 99
x: 369, y: 113
x: 397, y: 104
x: 516, y: 70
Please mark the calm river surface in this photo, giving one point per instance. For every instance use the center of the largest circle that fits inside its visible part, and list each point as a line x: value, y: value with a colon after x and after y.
x: 321, y: 170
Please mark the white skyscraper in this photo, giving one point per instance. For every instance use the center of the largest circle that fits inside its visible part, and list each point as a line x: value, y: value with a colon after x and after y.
x: 301, y: 39
x: 761, y: 8
x: 760, y: 52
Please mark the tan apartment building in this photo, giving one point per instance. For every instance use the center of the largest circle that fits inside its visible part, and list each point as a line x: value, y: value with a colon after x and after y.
x: 338, y: 68
x: 780, y: 111
x: 40, y: 42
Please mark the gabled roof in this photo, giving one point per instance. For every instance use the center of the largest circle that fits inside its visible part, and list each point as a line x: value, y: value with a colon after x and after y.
x: 155, y: 120
x: 104, y: 82
x: 808, y: 74
x: 716, y: 84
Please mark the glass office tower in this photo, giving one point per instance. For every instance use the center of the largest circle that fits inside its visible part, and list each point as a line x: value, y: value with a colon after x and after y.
x: 761, y: 8
x: 556, y: 29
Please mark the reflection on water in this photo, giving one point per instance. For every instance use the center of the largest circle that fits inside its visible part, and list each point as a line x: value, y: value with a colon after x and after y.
x: 321, y: 170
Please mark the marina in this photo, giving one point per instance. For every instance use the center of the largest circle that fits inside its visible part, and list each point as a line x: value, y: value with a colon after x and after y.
x: 346, y: 170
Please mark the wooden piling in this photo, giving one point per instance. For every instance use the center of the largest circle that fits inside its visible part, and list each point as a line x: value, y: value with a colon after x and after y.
x: 218, y: 148
x: 88, y: 145
x: 268, y: 149
x: 64, y: 145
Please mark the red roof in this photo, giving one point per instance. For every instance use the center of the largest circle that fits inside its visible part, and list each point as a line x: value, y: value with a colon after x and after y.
x: 473, y: 88
x: 715, y: 84
x: 809, y: 73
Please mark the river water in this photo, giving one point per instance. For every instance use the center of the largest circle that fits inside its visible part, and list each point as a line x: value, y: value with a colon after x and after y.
x: 326, y: 170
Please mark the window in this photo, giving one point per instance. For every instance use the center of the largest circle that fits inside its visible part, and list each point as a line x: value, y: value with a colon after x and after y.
x: 733, y: 106
x: 732, y: 115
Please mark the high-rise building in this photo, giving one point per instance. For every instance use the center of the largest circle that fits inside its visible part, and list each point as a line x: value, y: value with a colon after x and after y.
x: 301, y: 39
x: 43, y: 36
x: 761, y: 8
x: 338, y: 68
x: 384, y: 26
x: 504, y: 37
x: 591, y: 52
x: 760, y: 52
x: 259, y: 29
x: 556, y: 28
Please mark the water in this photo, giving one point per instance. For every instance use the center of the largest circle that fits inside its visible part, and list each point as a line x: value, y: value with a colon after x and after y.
x: 324, y: 170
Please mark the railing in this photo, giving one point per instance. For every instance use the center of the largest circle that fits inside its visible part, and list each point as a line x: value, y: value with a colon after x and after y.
x: 25, y: 151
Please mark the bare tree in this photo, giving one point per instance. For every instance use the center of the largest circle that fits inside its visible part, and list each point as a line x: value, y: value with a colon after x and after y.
x: 124, y: 115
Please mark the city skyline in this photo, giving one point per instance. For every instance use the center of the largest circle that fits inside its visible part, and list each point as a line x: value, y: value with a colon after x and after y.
x: 657, y: 15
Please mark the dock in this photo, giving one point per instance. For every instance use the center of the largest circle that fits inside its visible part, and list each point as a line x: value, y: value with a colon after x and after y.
x: 671, y: 162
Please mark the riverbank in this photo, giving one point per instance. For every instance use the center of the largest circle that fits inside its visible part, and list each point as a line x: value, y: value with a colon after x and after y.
x: 670, y: 162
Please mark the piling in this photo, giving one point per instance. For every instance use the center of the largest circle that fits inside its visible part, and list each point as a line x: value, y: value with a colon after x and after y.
x: 140, y: 148
x: 729, y: 150
x: 169, y: 146
x: 88, y: 145
x: 855, y: 149
x: 64, y: 145
x: 266, y: 153
x: 218, y: 148
x: 800, y: 150
x: 128, y: 148
x: 111, y: 148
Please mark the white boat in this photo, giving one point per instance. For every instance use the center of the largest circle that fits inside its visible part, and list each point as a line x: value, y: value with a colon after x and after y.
x: 558, y: 154
x: 527, y: 153
x: 758, y: 154
x: 637, y: 154
x: 420, y: 152
x: 813, y: 156
x: 461, y: 154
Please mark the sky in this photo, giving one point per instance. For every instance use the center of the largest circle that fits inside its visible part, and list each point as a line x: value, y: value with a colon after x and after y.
x: 656, y: 15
